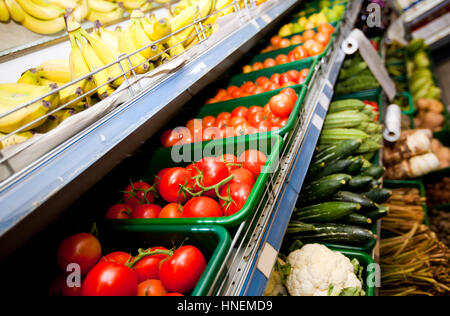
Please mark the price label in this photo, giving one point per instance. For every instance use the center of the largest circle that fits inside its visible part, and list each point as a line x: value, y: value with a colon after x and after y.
x: 267, y: 260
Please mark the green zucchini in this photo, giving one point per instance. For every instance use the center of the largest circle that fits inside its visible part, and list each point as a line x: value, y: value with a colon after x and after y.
x: 356, y: 165
x: 333, y: 168
x: 381, y: 212
x: 378, y: 195
x: 375, y: 172
x: 322, y: 189
x: 325, y: 212
x: 356, y: 219
x: 346, y: 105
x: 335, y: 233
x: 345, y: 196
x: 359, y: 183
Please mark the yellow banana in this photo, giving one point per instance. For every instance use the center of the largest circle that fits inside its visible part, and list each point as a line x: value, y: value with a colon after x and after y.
x: 161, y: 28
x: 65, y: 95
x: 222, y: 4
x: 184, y: 18
x: 63, y: 4
x: 206, y: 7
x: 54, y: 120
x: 15, y: 139
x: 133, y: 4
x: 81, y: 12
x: 165, y: 58
x: 127, y: 46
x: 4, y: 13
x: 94, y: 62
x: 175, y: 49
x: 15, y: 10
x: 109, y: 37
x: 140, y: 38
x: 49, y: 12
x: 102, y: 5
x: 16, y: 94
x: 108, y: 55
x: 44, y: 27
x: 147, y: 6
x: 78, y: 66
x: 106, y: 18
x: 30, y: 76
x: 147, y: 25
x: 57, y: 70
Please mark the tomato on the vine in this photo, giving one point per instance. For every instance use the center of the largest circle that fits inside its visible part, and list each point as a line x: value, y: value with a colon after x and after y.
x: 281, y: 105
x: 202, y: 207
x: 119, y: 257
x: 138, y: 193
x: 151, y: 288
x: 118, y: 211
x: 169, y: 187
x: 158, y: 178
x: 82, y: 249
x: 253, y: 160
x: 148, y: 267
x: 146, y: 211
x: 239, y: 193
x: 242, y: 175
x: 172, y: 210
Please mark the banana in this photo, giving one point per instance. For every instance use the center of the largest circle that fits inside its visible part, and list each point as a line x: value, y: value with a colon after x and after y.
x: 30, y: 76
x: 165, y: 58
x: 161, y: 28
x: 81, y: 11
x: 147, y: 6
x: 43, y: 27
x: 184, y: 18
x: 108, y: 55
x: 127, y: 46
x: 15, y: 10
x: 54, y: 120
x: 147, y: 25
x: 222, y: 4
x: 102, y: 6
x: 94, y: 62
x: 57, y: 70
x: 133, y: 4
x: 15, y: 139
x: 206, y: 7
x: 4, y: 13
x: 15, y: 94
x: 141, y: 39
x: 65, y: 95
x: 106, y: 18
x: 109, y: 37
x: 49, y: 12
x: 78, y: 66
x: 175, y: 49
x: 63, y: 4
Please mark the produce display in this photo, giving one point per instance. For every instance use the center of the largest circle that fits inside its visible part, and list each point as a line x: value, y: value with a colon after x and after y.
x: 430, y: 114
x: 315, y: 270
x: 355, y: 76
x: 241, y: 121
x: 439, y: 193
x: 440, y: 224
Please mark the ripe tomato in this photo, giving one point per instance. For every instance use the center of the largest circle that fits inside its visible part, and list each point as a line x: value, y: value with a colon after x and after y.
x: 316, y: 49
x: 208, y: 121
x: 172, y: 210
x: 300, y: 52
x: 59, y: 287
x: 227, y: 131
x: 322, y: 38
x: 260, y: 81
x: 82, y: 249
x: 119, y: 257
x: 243, y: 129
x: 309, y: 35
x: 275, y: 78
x: 284, y: 43
x: 146, y: 211
x: 269, y: 62
x: 221, y: 93
x: 170, y: 138
x: 275, y: 41
x: 242, y: 175
x: 304, y: 72
x: 230, y: 161
x: 181, y: 272
x: 158, y: 178
x: 294, y: 74
x: 238, y: 93
x: 118, y: 211
x: 285, y: 78
x: 297, y: 40
x: 240, y: 111
x: 254, y: 109
x: 239, y: 193
x: 230, y: 89
x: 211, y: 133
x: 236, y: 120
x: 222, y: 123
x: 148, y: 267
x: 169, y: 187
x: 258, y: 66
x: 110, y: 279
x: 151, y: 288
x: 213, y: 172
x: 223, y: 116
x: 282, y: 123
x: 281, y: 105
x: 256, y: 118
x: 326, y: 28
x: 291, y: 93
x: 211, y: 101
x: 247, y: 69
x: 253, y: 160
x: 258, y: 90
x: 282, y: 59
x: 308, y: 44
x: 138, y: 193
x: 288, y: 84
x: 267, y: 108
x: 202, y: 207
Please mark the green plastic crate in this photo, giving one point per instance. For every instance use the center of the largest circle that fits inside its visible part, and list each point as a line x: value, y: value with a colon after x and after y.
x: 396, y: 184
x: 310, y: 64
x: 213, y: 241
x: 270, y: 145
x: 365, y: 261
x: 262, y: 99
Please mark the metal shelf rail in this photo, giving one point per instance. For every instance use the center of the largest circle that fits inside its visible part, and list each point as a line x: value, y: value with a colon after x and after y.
x: 29, y: 188
x: 257, y: 242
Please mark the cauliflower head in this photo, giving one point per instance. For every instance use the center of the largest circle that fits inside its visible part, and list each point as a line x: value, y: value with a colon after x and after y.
x: 314, y: 268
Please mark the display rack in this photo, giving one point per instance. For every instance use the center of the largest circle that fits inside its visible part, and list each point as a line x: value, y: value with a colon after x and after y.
x: 125, y: 128
x: 257, y: 242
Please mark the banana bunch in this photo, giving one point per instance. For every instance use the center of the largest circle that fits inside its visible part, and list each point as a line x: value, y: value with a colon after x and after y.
x: 105, y: 11
x: 143, y: 5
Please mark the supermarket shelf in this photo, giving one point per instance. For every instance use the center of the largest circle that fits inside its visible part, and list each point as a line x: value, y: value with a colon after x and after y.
x: 257, y: 243
x: 423, y: 10
x: 54, y: 171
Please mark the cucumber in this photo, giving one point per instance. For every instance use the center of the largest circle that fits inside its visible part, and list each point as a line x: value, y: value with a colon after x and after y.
x: 381, y: 212
x: 346, y: 105
x: 345, y: 196
x: 335, y: 233
x: 378, y: 195
x: 355, y: 167
x: 325, y: 212
x: 375, y: 172
x: 337, y: 135
x: 359, y: 183
x: 322, y: 189
x: 333, y: 168
x: 356, y: 219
